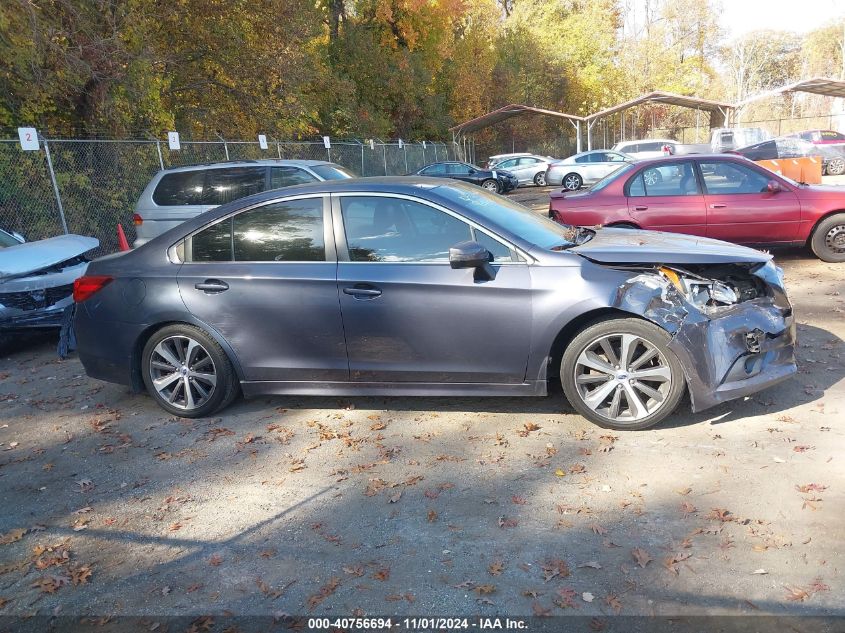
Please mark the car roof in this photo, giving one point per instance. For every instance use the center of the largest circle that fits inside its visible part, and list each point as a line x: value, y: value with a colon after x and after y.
x: 261, y: 162
x: 674, y: 158
x: 647, y: 140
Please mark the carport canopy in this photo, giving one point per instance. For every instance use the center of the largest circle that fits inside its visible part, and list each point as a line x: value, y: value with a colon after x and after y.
x: 514, y: 109
x: 817, y: 85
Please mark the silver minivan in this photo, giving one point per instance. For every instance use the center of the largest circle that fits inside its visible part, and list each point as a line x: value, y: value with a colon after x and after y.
x: 181, y: 193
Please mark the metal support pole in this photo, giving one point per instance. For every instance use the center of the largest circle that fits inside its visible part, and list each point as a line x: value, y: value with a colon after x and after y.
x: 590, y: 134
x: 435, y: 152
x: 160, y: 159
x: 362, y: 159
x: 329, y: 153
x: 279, y: 149
x: 405, y: 152
x: 578, y: 136
x: 384, y: 153
x: 55, y: 186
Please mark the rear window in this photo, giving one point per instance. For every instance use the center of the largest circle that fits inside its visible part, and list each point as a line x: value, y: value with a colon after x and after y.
x: 332, y: 172
x: 180, y: 188
x: 830, y: 135
x: 208, y: 186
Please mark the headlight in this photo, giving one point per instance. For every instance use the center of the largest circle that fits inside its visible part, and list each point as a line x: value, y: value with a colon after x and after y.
x: 700, y: 292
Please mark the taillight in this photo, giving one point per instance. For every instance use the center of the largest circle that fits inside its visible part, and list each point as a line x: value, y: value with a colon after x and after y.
x: 137, y: 220
x: 85, y: 287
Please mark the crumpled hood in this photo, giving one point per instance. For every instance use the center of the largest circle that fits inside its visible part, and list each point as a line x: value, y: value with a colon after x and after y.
x: 30, y: 257
x: 620, y: 246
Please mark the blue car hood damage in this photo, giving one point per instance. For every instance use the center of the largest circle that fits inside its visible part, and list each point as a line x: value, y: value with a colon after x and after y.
x: 30, y: 257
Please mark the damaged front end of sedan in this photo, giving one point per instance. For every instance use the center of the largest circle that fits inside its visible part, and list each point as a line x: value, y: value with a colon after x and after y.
x: 731, y: 324
x: 36, y: 285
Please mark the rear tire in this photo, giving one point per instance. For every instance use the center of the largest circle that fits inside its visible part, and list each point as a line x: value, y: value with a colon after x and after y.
x: 572, y: 182
x: 623, y: 225
x: 828, y: 240
x: 187, y: 372
x: 836, y: 167
x: 620, y: 374
x: 540, y: 179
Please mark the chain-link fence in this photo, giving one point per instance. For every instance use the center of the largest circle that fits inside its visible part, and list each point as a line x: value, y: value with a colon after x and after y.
x: 90, y: 186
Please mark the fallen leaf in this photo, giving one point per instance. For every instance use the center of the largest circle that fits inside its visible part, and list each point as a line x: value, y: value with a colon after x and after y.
x: 215, y: 560
x: 496, y: 568
x: 382, y: 574
x: 432, y: 516
x: 560, y: 472
x: 796, y: 594
x: 518, y: 500
x: 395, y: 498
x: 587, y: 596
x: 641, y: 556
x: 13, y: 535
x: 325, y: 591
x: 613, y: 602
x: 485, y: 589
x: 592, y: 564
x: 505, y: 522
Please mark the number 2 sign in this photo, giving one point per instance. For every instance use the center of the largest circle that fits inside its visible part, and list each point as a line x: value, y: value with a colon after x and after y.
x: 29, y: 138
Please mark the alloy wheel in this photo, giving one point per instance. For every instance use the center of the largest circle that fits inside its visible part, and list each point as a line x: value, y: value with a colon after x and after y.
x: 182, y: 372
x: 572, y: 182
x: 540, y: 179
x: 490, y: 185
x: 623, y: 378
x: 836, y: 167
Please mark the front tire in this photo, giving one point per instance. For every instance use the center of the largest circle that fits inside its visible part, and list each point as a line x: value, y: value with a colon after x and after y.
x: 572, y: 182
x: 540, y: 179
x: 620, y: 374
x: 187, y: 372
x: 828, y: 241
x: 491, y: 185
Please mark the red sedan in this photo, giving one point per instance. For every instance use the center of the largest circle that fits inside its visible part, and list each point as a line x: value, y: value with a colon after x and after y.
x: 724, y: 197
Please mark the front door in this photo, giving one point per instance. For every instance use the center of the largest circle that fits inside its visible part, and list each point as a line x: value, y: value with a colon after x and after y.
x: 740, y: 208
x: 266, y: 280
x: 666, y: 197
x: 408, y: 316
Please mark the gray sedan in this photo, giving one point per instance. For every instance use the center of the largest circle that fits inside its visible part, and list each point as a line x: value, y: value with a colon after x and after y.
x: 422, y: 286
x: 585, y: 168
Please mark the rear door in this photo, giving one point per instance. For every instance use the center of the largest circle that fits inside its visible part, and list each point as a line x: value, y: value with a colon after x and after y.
x: 741, y: 209
x: 266, y: 279
x: 667, y: 197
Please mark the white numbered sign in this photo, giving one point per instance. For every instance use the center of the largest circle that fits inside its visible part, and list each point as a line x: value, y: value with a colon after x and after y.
x: 326, y: 142
x: 262, y: 141
x: 29, y: 138
x: 173, y: 140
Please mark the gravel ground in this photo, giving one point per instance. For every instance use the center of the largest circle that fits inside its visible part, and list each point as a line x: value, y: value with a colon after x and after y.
x: 425, y: 506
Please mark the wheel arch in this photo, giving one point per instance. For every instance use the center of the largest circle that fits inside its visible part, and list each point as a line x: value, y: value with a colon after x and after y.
x: 571, y: 329
x: 816, y: 224
x: 137, y: 381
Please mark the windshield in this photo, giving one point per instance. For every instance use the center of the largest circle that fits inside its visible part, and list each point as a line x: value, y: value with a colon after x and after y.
x: 7, y: 240
x: 511, y: 216
x: 332, y: 172
x: 616, y: 173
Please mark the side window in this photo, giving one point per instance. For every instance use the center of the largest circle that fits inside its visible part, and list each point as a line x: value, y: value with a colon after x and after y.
x: 508, y: 164
x: 650, y: 147
x: 528, y: 161
x: 598, y: 157
x: 499, y: 251
x: 287, y: 176
x: 230, y: 183
x: 180, y: 188
x: 731, y: 178
x: 667, y: 179
x: 213, y: 244
x: 615, y: 158
x: 287, y: 231
x: 583, y: 159
x: 435, y: 170
x: 380, y: 229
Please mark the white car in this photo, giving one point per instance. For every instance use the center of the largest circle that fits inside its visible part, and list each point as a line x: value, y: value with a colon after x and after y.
x: 585, y: 168
x: 647, y: 148
x: 528, y: 168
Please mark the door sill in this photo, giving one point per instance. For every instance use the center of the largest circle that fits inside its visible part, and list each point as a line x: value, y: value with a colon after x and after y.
x: 260, y: 388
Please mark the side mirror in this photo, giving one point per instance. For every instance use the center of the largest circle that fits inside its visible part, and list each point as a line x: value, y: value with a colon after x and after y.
x: 773, y: 186
x: 471, y: 254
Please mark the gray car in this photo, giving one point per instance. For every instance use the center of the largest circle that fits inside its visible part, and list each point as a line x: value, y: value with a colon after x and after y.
x: 181, y: 193
x: 529, y: 169
x: 585, y: 168
x: 423, y: 286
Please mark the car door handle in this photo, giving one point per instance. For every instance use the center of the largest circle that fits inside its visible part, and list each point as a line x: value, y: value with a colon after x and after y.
x: 718, y: 206
x: 363, y: 291
x: 212, y: 286
x: 640, y: 208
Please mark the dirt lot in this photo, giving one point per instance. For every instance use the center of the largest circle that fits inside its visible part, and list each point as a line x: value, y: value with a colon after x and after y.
x: 425, y: 506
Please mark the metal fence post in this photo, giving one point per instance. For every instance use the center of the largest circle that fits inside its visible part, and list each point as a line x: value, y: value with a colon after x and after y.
x: 435, y: 152
x: 405, y: 151
x: 362, y: 160
x: 55, y: 186
x: 329, y: 153
x: 279, y: 149
x: 160, y: 159
x: 384, y: 152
